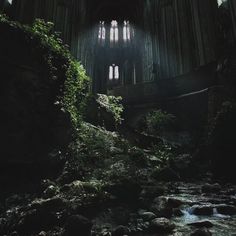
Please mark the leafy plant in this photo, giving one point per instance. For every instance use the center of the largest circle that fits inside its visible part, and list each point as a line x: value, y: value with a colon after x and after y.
x: 60, y: 65
x: 157, y: 121
x: 113, y: 105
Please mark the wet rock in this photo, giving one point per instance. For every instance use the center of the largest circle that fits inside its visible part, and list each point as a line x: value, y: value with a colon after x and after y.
x: 201, y: 232
x: 205, y: 210
x: 177, y: 212
x: 51, y: 204
x: 161, y: 208
x: 226, y: 210
x: 147, y: 216
x: 51, y: 191
x: 211, y: 188
x: 174, y: 202
x: 202, y: 224
x: 78, y: 225
x: 120, y: 231
x: 161, y: 225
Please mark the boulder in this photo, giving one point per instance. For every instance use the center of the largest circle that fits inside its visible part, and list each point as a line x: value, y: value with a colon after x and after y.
x: 211, y: 188
x: 226, y: 209
x: 204, y: 210
x: 201, y: 232
x: 147, y: 216
x: 161, y: 225
x: 120, y: 231
x: 201, y: 224
x: 161, y: 208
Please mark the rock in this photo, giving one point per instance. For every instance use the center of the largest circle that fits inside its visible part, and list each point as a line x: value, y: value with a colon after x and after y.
x: 78, y: 225
x: 201, y: 224
x: 42, y: 233
x: 161, y: 208
x: 201, y: 232
x: 120, y: 231
x: 226, y: 210
x: 51, y: 204
x: 177, y: 212
x: 147, y: 216
x: 161, y: 225
x: 174, y: 202
x: 211, y: 188
x: 51, y: 191
x: 205, y: 210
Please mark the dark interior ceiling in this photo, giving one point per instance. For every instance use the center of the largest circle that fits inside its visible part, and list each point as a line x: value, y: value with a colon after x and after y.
x: 112, y: 9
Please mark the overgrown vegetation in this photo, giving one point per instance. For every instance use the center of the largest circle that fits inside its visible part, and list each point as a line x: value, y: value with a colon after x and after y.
x: 155, y: 122
x: 60, y: 65
x: 112, y: 105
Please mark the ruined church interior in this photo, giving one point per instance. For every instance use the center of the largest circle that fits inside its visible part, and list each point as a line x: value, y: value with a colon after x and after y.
x: 117, y: 117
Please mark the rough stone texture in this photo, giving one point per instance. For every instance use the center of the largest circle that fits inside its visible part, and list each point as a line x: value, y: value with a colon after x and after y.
x: 32, y: 123
x: 204, y: 210
x: 201, y: 232
x: 161, y: 225
x: 201, y: 224
x: 226, y: 209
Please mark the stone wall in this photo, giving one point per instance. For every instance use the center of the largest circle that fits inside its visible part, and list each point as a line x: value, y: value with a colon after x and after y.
x: 32, y: 124
x: 173, y: 37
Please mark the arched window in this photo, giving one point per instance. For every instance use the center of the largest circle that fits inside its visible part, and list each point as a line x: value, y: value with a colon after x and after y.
x: 114, y: 32
x: 114, y: 72
x: 101, y: 32
x: 126, y: 31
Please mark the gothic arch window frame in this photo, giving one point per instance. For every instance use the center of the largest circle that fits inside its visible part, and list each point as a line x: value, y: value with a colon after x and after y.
x: 114, y: 72
x: 101, y: 32
x: 114, y: 32
x: 126, y: 31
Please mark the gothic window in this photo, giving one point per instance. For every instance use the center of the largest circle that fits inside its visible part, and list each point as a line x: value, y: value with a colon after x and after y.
x: 126, y: 31
x: 101, y: 32
x: 113, y: 72
x: 114, y: 32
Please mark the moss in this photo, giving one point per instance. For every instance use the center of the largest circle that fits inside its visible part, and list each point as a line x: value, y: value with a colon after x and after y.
x: 62, y: 69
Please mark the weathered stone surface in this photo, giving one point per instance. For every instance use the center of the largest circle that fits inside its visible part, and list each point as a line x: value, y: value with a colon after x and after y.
x: 201, y: 224
x: 211, y: 188
x: 226, y: 209
x: 161, y: 208
x: 120, y: 231
x: 161, y: 225
x: 147, y: 216
x: 202, y: 210
x: 201, y: 232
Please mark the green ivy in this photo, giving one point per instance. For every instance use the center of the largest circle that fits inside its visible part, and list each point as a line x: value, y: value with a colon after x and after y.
x: 113, y: 105
x: 59, y: 62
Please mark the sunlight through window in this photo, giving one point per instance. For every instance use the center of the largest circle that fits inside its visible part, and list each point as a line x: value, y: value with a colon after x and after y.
x: 114, y: 72
x: 114, y: 32
x: 126, y: 31
x: 102, y: 32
